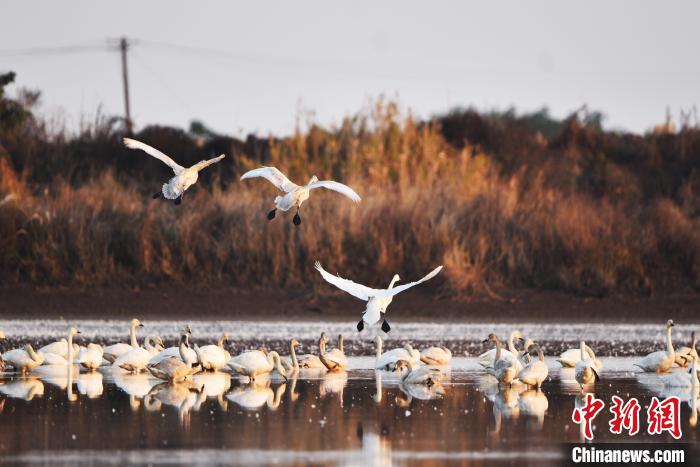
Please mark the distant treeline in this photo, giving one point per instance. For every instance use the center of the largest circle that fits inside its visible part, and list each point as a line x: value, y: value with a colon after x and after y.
x: 502, y: 200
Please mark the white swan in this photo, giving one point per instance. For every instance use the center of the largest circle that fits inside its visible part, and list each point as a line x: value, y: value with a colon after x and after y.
x: 377, y: 299
x: 569, y: 358
x: 535, y: 372
x: 663, y: 360
x: 255, y: 363
x: 335, y: 359
x: 684, y: 379
x: 90, y: 357
x: 418, y: 375
x: 137, y: 360
x: 295, y: 194
x: 291, y: 363
x: 112, y: 352
x: 438, y: 356
x: 58, y: 348
x: 487, y: 358
x: 55, y: 359
x: 504, y: 367
x: 311, y: 361
x: 213, y: 357
x: 184, y: 177
x: 686, y: 355
x: 387, y: 361
x: 586, y: 371
x: 174, y: 369
x: 24, y: 359
x: 175, y: 351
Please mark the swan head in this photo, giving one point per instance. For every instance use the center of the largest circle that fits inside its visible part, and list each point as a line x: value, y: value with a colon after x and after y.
x: 517, y: 335
x: 313, y: 179
x: 491, y: 338
x: 324, y: 339
x: 136, y: 323
x: 294, y: 342
x: 73, y: 331
x: 669, y: 323
x: 187, y: 329
x: 396, y: 278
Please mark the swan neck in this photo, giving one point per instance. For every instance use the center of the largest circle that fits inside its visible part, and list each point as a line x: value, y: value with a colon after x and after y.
x: 132, y: 334
x: 498, y: 351
x: 183, y: 354
x: 70, y: 347
x: 669, y: 343
x: 293, y: 353
x: 321, y: 347
x: 32, y: 354
x: 222, y: 339
x: 511, y: 345
x: 340, y: 343
x: 583, y: 350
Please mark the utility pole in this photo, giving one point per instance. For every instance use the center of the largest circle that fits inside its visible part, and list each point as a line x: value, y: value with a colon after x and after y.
x: 124, y: 46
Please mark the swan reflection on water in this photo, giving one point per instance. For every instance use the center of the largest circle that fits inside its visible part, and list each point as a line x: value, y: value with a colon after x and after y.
x: 256, y: 394
x: 184, y: 396
x: 26, y: 388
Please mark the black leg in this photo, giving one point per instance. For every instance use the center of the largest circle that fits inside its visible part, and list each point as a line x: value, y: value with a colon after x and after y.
x: 157, y: 195
x: 297, y: 219
x: 271, y: 214
x: 385, y: 326
x: 178, y: 200
x: 360, y: 325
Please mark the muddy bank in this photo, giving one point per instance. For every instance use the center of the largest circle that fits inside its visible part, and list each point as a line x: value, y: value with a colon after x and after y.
x: 266, y: 304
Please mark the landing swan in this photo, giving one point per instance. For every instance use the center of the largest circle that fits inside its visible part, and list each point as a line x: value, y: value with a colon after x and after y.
x: 487, y: 358
x: 663, y: 360
x: 51, y: 358
x: 254, y: 363
x: 295, y: 194
x: 335, y: 359
x: 418, y: 375
x: 24, y: 359
x: 686, y: 355
x: 377, y: 299
x: 90, y: 357
x: 112, y: 352
x: 137, y: 360
x: 569, y: 358
x: 174, y: 369
x: 184, y: 177
x: 586, y: 371
x: 387, y: 361
x: 535, y: 372
x: 504, y: 368
x: 213, y: 357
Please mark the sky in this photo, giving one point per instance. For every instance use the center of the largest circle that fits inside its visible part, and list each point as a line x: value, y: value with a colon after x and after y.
x: 243, y: 67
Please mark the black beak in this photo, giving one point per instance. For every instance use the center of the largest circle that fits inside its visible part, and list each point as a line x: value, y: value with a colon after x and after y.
x: 140, y: 325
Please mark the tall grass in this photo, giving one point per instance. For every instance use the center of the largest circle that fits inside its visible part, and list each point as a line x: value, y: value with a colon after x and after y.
x: 497, y: 203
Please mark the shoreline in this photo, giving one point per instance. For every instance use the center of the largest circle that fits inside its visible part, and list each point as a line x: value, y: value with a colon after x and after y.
x: 23, y: 302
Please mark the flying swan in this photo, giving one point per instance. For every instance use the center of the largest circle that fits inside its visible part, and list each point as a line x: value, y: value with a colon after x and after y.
x: 184, y: 177
x: 295, y: 194
x: 377, y: 299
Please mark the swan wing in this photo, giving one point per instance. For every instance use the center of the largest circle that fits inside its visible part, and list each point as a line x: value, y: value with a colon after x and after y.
x: 339, y: 187
x: 393, y: 291
x: 356, y: 290
x: 151, y: 151
x: 274, y: 176
x: 203, y: 164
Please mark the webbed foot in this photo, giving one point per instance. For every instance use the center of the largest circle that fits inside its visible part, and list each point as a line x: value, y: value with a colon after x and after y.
x: 385, y: 326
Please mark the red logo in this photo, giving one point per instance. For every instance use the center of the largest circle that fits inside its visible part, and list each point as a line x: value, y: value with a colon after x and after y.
x: 624, y: 416
x: 664, y: 416
x: 587, y: 413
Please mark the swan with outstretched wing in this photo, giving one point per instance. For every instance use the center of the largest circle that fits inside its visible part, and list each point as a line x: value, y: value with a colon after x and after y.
x: 184, y: 177
x: 295, y: 194
x: 377, y: 299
